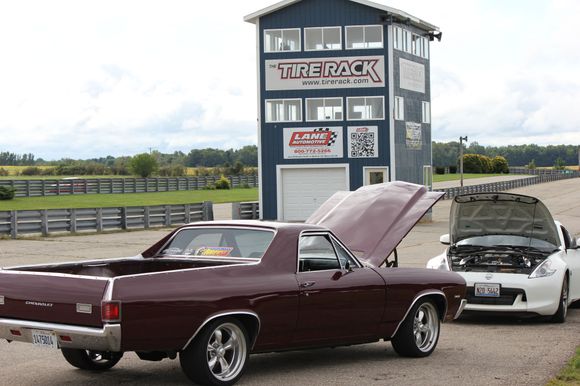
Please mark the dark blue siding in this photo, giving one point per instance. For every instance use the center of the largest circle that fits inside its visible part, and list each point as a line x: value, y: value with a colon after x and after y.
x: 319, y: 13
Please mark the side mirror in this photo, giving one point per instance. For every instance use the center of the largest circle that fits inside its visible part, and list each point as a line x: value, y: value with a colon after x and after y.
x: 444, y: 239
x: 347, y: 266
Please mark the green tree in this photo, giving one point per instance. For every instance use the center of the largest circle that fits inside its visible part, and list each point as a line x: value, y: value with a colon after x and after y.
x: 532, y: 164
x: 499, y: 164
x: 143, y: 165
x: 560, y: 164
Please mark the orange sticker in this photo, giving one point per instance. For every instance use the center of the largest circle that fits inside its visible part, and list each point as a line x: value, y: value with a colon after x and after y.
x: 214, y: 251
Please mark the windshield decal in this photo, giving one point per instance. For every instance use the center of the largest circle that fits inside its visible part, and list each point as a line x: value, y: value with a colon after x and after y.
x: 214, y: 251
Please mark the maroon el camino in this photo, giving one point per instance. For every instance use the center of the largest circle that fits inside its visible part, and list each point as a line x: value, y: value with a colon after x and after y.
x: 214, y: 292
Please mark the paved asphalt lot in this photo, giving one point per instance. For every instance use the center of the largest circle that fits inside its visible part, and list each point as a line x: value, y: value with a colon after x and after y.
x: 475, y: 351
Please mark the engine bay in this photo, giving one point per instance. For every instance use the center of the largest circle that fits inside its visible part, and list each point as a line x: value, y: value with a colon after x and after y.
x: 503, y: 259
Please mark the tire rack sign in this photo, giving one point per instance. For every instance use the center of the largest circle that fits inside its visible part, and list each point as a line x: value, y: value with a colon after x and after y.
x: 313, y: 142
x: 324, y: 73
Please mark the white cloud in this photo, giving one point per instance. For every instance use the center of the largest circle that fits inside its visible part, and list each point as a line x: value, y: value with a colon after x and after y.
x: 84, y: 79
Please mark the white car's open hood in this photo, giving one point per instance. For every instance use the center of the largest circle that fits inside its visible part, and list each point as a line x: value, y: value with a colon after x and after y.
x: 485, y: 214
x: 373, y: 220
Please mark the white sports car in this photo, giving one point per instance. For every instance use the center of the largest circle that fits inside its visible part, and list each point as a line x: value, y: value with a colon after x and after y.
x: 514, y: 257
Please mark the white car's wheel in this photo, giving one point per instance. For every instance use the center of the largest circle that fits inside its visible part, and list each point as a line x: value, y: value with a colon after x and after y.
x: 562, y: 312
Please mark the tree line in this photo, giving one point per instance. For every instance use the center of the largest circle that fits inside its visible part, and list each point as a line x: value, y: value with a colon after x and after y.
x: 446, y: 154
x: 13, y: 159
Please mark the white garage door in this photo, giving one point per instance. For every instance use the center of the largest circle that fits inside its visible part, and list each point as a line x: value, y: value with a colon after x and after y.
x: 305, y: 189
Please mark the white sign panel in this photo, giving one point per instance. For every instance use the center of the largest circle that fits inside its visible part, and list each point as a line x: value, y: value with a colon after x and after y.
x: 313, y: 142
x: 363, y: 141
x: 413, y: 135
x: 412, y: 75
x: 323, y: 73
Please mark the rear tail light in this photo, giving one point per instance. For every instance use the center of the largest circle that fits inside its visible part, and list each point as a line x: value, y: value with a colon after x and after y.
x: 111, y: 311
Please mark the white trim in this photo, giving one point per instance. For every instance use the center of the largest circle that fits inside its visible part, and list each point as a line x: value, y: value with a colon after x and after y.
x: 284, y: 100
x: 279, y: 168
x: 399, y: 111
x: 348, y: 118
x: 282, y: 35
x: 419, y: 23
x: 425, y: 112
x: 324, y: 105
x: 323, y: 28
x: 364, y: 26
x: 259, y: 121
x: 366, y: 169
x: 391, y: 118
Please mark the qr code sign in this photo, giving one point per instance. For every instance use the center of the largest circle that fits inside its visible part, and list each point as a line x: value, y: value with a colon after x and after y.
x: 363, y: 142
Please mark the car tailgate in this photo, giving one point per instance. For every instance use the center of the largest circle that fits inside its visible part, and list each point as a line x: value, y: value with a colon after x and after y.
x: 51, y: 298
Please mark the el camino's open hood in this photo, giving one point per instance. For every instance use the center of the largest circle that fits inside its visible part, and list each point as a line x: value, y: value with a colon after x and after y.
x: 373, y: 220
x: 485, y: 214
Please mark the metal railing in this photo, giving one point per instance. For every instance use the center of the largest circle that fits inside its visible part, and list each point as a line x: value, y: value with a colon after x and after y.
x: 537, y: 172
x: 48, y: 221
x: 54, y: 187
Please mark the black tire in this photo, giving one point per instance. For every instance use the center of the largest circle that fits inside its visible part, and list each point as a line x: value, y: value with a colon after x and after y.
x: 419, y: 333
x: 214, y: 358
x: 562, y: 312
x: 91, y: 360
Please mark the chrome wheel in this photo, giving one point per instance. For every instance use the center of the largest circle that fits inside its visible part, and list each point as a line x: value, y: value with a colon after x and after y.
x: 226, y: 351
x: 426, y: 327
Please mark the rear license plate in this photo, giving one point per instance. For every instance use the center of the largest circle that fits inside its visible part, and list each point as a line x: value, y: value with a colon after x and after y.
x: 42, y: 338
x: 487, y: 290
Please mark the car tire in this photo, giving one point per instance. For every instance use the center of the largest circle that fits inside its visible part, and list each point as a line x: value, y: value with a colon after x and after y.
x: 91, y: 360
x: 417, y: 336
x: 218, y: 355
x: 562, y: 312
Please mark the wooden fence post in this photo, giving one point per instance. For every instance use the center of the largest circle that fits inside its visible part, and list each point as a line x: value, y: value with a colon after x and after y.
x: 13, y: 224
x: 99, y: 219
x: 146, y: 219
x: 44, y: 222
x: 73, y: 220
x: 167, y: 215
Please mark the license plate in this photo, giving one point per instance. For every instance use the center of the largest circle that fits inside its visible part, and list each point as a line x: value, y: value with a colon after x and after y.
x: 42, y: 338
x: 487, y: 290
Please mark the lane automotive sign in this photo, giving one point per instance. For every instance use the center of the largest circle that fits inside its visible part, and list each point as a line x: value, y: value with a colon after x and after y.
x: 322, y: 73
x: 313, y: 142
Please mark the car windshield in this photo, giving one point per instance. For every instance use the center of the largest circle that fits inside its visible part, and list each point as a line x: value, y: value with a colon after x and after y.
x: 219, y: 242
x: 508, y: 241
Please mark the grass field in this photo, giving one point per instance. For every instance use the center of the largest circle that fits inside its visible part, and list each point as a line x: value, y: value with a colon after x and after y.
x: 466, y: 176
x: 570, y: 375
x: 130, y: 199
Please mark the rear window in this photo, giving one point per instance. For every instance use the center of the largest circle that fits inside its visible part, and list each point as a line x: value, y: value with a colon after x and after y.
x: 219, y: 242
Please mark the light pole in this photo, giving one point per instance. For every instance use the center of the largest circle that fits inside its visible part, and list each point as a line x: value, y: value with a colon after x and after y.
x: 461, y: 139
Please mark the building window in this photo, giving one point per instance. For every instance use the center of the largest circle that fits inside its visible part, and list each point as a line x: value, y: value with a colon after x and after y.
x: 399, y: 113
x: 420, y: 46
x: 284, y: 110
x: 324, y: 109
x: 325, y: 38
x: 398, y: 38
x: 426, y: 112
x: 364, y: 36
x: 365, y: 108
x: 278, y: 40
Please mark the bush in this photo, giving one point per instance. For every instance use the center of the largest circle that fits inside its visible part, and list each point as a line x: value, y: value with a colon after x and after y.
x: 172, y: 171
x: 477, y: 163
x: 439, y: 170
x: 452, y: 169
x: 7, y: 192
x: 499, y: 164
x: 532, y: 165
x: 4, y: 172
x: 222, y: 183
x: 31, y: 171
x: 560, y: 164
x: 143, y: 165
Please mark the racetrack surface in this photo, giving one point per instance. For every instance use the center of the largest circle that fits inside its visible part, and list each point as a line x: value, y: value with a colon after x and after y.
x: 474, y: 350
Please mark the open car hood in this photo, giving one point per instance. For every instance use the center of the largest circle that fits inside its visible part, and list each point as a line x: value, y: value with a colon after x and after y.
x: 373, y: 219
x: 484, y: 214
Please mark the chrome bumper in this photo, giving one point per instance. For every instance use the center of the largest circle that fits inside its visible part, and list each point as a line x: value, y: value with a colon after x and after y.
x: 460, y: 309
x: 107, y: 338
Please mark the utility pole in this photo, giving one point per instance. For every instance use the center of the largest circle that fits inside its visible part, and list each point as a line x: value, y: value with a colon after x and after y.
x: 461, y: 139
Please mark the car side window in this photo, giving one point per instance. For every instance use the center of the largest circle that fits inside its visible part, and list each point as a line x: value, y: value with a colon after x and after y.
x: 344, y: 256
x: 316, y: 253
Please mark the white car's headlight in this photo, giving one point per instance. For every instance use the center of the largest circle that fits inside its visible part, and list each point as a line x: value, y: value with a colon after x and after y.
x: 438, y: 264
x: 543, y: 270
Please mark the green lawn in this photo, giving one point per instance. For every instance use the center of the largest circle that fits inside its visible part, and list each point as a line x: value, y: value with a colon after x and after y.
x: 130, y: 199
x: 570, y: 375
x: 454, y: 177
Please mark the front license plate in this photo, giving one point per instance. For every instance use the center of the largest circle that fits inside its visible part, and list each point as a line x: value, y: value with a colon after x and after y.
x: 487, y: 290
x: 42, y: 338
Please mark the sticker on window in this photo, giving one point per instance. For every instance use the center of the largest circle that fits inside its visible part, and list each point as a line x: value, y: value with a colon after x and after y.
x: 172, y: 251
x: 214, y: 251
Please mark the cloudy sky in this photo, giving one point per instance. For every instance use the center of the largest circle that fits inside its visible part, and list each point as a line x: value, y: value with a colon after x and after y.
x: 96, y: 78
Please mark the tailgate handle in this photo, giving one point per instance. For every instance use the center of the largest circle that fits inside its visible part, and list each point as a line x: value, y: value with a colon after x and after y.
x: 307, y: 284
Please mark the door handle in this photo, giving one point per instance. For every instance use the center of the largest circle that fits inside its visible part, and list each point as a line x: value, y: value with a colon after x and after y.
x: 307, y: 284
